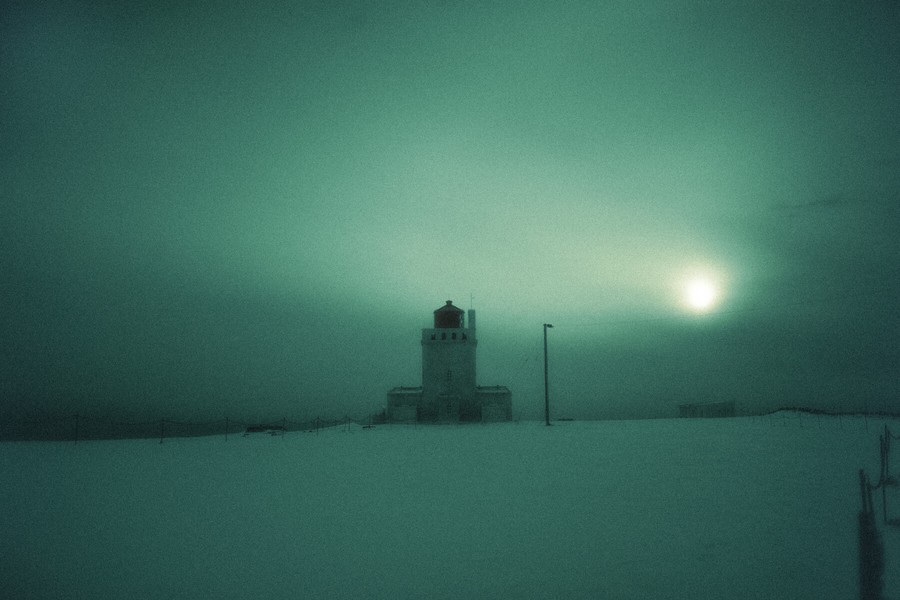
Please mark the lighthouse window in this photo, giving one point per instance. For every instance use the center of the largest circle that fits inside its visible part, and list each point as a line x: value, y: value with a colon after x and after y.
x: 453, y: 336
x: 464, y: 336
x: 443, y: 336
x: 432, y: 336
x: 449, y: 375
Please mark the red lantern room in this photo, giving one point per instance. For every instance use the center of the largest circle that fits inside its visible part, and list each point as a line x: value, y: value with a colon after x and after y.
x: 448, y: 317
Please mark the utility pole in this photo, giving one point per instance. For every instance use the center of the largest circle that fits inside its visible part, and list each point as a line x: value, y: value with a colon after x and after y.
x: 546, y: 382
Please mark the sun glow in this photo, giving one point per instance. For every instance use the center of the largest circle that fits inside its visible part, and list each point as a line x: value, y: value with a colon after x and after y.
x: 700, y: 294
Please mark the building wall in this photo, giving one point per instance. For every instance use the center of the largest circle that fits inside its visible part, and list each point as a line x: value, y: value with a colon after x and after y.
x: 495, y: 403
x: 403, y: 404
x: 448, y: 375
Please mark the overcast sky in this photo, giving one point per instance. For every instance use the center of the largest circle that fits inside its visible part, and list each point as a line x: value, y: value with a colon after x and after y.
x: 251, y: 209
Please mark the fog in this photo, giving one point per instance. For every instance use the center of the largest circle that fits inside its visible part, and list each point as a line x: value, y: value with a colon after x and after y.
x: 252, y: 211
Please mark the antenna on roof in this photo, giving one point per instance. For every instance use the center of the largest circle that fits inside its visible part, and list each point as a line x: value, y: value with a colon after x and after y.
x: 471, y: 301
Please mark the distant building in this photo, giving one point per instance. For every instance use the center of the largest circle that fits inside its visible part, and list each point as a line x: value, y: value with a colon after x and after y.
x: 706, y: 410
x: 449, y: 391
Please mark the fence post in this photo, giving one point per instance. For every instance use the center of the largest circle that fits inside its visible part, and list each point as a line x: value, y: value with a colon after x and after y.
x: 885, y: 449
x: 871, y: 551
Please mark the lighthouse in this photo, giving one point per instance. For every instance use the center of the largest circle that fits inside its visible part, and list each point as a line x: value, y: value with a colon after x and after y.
x: 449, y: 392
x: 448, y: 367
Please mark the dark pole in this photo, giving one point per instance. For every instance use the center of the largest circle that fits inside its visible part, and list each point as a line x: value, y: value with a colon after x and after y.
x: 546, y: 382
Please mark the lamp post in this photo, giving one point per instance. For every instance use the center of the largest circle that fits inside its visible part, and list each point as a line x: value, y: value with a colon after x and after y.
x: 546, y: 383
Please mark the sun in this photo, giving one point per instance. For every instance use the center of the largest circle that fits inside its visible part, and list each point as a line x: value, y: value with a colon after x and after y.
x: 701, y: 294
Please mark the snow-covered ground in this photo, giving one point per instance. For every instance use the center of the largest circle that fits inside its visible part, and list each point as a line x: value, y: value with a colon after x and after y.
x: 731, y: 508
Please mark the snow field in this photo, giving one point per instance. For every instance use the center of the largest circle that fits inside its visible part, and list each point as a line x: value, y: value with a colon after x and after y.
x: 726, y: 508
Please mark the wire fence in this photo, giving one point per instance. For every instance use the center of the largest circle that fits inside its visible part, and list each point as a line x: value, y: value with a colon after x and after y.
x: 76, y: 427
x: 808, y: 417
x: 870, y: 542
x: 886, y: 479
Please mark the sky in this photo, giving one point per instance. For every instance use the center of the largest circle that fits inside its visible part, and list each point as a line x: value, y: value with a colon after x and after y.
x: 251, y: 209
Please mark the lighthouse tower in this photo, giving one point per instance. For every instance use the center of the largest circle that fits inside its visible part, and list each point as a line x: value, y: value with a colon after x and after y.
x: 448, y: 392
x: 448, y: 367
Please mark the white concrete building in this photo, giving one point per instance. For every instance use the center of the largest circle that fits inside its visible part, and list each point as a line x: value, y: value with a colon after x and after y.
x: 449, y: 391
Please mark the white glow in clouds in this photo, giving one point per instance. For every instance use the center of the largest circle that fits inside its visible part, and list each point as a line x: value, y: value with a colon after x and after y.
x: 700, y: 294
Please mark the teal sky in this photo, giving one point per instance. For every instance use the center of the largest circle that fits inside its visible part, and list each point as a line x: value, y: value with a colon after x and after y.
x: 216, y: 207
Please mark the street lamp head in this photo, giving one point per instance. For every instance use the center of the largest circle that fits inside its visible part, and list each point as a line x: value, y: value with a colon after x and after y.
x: 548, y: 325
